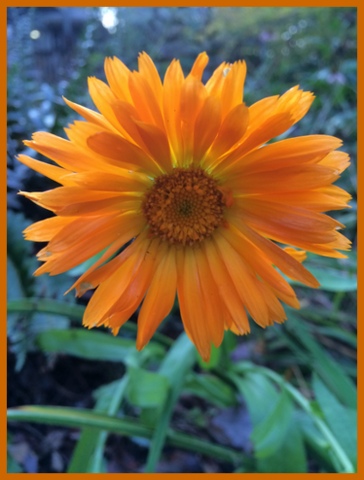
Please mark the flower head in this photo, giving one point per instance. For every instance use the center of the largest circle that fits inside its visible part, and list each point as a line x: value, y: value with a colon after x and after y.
x: 176, y: 184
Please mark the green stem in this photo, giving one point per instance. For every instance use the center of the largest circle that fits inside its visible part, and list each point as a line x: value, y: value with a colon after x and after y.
x: 183, y: 356
x: 55, y: 307
x: 75, y: 312
x: 306, y: 405
x: 80, y: 418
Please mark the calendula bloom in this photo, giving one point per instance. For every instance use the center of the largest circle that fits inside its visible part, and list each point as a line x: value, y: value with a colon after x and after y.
x: 175, y: 183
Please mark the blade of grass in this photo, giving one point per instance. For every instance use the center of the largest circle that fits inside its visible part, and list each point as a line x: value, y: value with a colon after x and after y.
x: 93, y: 345
x: 175, y: 367
x: 74, y: 312
x: 31, y: 305
x: 340, y: 419
x: 81, y: 418
x: 326, y: 367
x: 88, y: 454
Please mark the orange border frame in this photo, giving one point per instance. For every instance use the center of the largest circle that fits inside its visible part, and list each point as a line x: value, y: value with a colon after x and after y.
x: 93, y: 3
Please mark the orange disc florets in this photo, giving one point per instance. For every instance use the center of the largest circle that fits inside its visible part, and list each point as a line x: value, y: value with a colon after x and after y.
x: 184, y: 207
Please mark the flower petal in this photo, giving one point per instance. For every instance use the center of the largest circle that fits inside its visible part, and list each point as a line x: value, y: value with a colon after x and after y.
x: 286, y: 263
x: 189, y: 296
x: 117, y: 75
x: 57, y: 174
x: 159, y: 299
x: 116, y: 283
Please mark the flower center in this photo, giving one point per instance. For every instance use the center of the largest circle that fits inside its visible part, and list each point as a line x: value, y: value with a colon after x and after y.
x: 184, y: 207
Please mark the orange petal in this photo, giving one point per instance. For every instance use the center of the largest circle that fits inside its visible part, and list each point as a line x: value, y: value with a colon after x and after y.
x: 287, y: 264
x: 287, y: 223
x: 199, y: 66
x: 256, y: 259
x: 57, y: 174
x: 189, y: 296
x: 102, y: 270
x: 44, y: 230
x: 72, y: 246
x: 215, y: 83
x: 227, y: 291
x: 309, y: 149
x: 213, y: 306
x: 76, y: 200
x: 103, y: 98
x: 122, y: 153
x: 268, y: 129
x: 117, y: 75
x: 289, y: 179
x: 232, y: 91
x: 338, y: 161
x: 299, y: 255
x: 144, y: 100
x: 193, y: 96
x: 156, y: 143
x: 207, y: 125
x: 122, y: 181
x: 59, y: 150
x: 113, y: 287
x: 133, y: 295
x: 173, y: 81
x: 245, y: 283
x: 159, y: 299
x: 231, y: 131
x: 148, y: 70
x: 89, y: 115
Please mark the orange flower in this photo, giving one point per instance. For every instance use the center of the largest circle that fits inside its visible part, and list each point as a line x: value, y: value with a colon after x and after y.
x: 182, y: 170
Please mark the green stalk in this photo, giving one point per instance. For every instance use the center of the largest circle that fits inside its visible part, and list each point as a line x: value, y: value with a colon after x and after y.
x: 175, y: 366
x: 81, y: 418
x: 74, y: 312
x: 55, y: 307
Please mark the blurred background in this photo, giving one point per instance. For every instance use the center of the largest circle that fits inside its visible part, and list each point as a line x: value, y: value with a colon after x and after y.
x: 51, y: 52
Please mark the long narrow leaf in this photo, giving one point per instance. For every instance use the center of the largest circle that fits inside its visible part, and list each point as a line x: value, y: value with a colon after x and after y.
x: 79, y: 418
x: 88, y: 454
x: 175, y: 366
x: 340, y: 419
x: 92, y: 345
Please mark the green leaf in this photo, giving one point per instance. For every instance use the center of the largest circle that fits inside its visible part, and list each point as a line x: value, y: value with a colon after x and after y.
x: 272, y: 416
x: 81, y: 418
x: 92, y: 345
x: 175, y: 367
x: 146, y: 389
x: 256, y: 389
x: 60, y: 308
x: 55, y: 307
x: 339, y: 458
x: 269, y: 435
x: 290, y: 458
x: 211, y: 388
x: 80, y: 269
x: 334, y: 275
x: 335, y: 279
x: 14, y: 286
x: 318, y: 445
x: 214, y: 359
x: 19, y: 251
x: 88, y: 456
x: 325, y: 366
x: 341, y: 420
x: 12, y: 465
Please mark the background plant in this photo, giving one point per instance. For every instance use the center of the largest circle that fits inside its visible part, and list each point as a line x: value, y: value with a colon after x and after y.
x: 97, y: 405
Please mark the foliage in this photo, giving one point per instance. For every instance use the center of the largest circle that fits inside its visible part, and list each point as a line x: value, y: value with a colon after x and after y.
x: 295, y: 383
